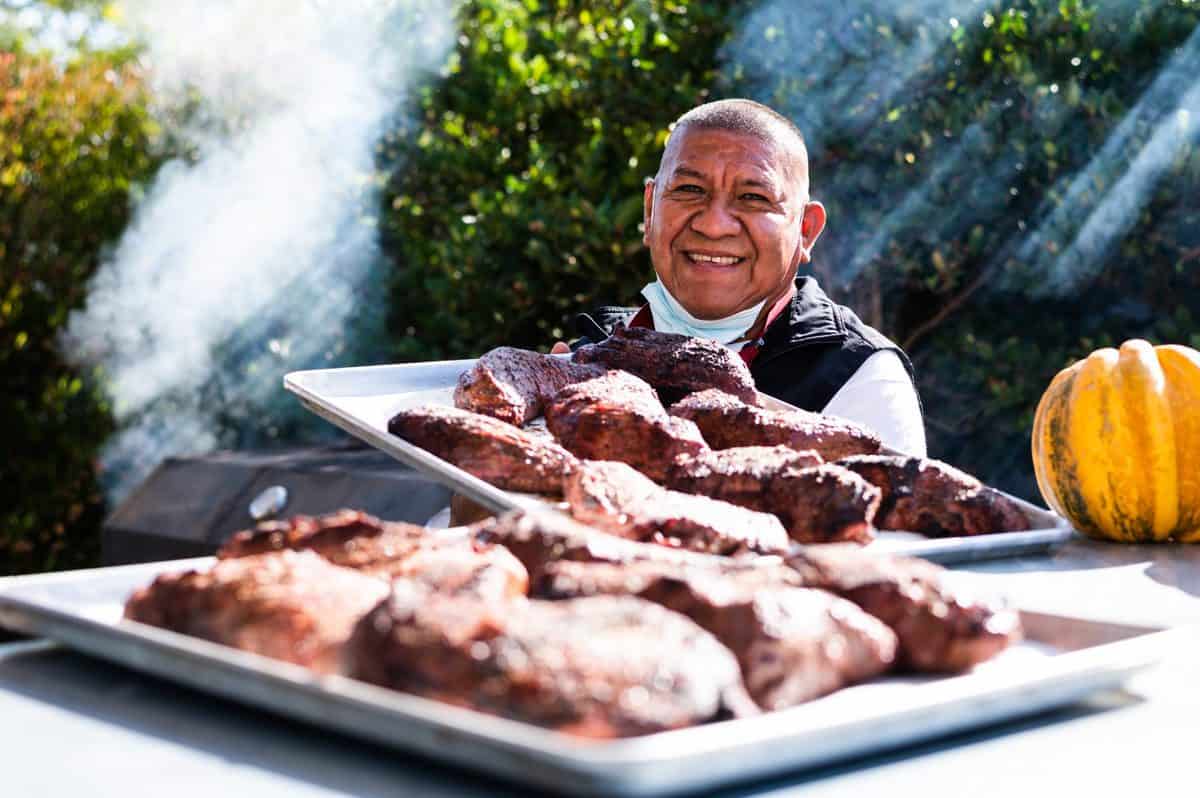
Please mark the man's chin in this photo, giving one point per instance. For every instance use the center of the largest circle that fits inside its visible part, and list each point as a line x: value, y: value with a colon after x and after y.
x: 708, y: 308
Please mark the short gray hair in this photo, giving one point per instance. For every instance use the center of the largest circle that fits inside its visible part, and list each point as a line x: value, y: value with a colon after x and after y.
x: 751, y: 118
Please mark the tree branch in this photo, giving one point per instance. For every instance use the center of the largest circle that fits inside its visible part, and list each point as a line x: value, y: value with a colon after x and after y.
x: 954, y: 304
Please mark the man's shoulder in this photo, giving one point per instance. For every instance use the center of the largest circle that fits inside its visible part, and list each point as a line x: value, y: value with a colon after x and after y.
x: 815, y: 315
x: 815, y: 347
x: 858, y: 330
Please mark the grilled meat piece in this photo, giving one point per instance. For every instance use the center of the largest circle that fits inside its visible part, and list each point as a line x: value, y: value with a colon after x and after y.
x: 506, y: 456
x: 335, y: 536
x: 725, y: 422
x: 513, y: 384
x: 617, y: 499
x: 746, y: 467
x: 793, y: 644
x: 451, y: 561
x: 675, y: 365
x: 618, y: 417
x: 293, y: 606
x: 816, y: 503
x: 599, y: 667
x: 492, y: 574
x: 935, y: 499
x: 940, y: 629
x: 720, y: 579
x: 541, y: 538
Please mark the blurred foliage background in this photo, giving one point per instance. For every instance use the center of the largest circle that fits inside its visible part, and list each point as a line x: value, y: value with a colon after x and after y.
x: 1010, y: 186
x: 74, y: 144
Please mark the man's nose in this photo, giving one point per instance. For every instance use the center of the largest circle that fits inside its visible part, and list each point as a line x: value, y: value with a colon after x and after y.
x: 716, y: 220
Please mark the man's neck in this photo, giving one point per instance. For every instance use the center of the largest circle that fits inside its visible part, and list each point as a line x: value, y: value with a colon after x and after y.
x: 770, y: 311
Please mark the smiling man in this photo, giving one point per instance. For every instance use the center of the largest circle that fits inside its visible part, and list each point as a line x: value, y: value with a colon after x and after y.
x: 729, y: 222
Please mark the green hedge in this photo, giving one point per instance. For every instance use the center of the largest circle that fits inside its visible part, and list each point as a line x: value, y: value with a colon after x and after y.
x: 73, y: 143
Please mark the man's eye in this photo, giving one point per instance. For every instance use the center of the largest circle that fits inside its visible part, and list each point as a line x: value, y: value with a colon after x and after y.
x: 755, y: 197
x: 690, y: 188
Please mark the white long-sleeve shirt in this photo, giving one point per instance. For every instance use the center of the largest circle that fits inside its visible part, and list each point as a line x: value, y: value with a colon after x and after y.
x: 881, y: 396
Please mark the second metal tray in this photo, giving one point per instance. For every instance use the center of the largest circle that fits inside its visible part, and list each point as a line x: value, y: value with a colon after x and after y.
x: 1060, y: 660
x: 361, y: 400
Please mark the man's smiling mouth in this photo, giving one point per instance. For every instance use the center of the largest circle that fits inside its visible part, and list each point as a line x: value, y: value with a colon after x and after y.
x: 706, y: 259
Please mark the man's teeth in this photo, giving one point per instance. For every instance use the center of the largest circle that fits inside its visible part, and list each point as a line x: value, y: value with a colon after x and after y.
x: 722, y: 260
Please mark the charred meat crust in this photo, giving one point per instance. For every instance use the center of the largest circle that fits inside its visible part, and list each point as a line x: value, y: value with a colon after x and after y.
x: 934, y: 499
x: 638, y: 638
x: 539, y: 539
x: 675, y: 365
x: 793, y: 644
x: 940, y: 628
x: 335, y: 536
x: 817, y: 503
x: 601, y: 667
x: 513, y: 384
x: 451, y: 560
x: 618, y: 417
x: 292, y: 606
x: 619, y: 500
x: 506, y: 456
x: 727, y: 421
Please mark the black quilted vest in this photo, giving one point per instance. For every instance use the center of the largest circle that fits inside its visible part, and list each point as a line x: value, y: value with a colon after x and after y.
x: 806, y: 355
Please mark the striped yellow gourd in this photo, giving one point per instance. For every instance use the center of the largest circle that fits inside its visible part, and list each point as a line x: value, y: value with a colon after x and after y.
x: 1116, y: 443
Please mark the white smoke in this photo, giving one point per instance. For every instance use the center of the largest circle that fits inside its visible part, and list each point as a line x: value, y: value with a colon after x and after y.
x: 848, y: 67
x: 249, y: 259
x: 1099, y: 205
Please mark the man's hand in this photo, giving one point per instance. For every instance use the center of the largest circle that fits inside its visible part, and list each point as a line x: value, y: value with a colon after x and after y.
x: 560, y: 348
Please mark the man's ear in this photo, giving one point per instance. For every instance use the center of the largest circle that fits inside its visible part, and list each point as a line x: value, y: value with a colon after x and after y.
x: 811, y: 225
x: 647, y: 210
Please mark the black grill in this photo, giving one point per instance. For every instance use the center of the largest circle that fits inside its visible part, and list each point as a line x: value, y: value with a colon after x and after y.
x: 189, y: 506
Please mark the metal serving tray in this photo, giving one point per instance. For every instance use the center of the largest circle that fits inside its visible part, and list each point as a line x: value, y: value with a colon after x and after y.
x: 1061, y: 660
x: 361, y: 400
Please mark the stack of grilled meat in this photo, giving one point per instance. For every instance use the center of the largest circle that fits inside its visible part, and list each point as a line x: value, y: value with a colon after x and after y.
x: 539, y: 618
x: 654, y: 436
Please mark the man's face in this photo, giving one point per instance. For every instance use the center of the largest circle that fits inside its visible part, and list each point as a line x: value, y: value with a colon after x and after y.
x: 727, y: 220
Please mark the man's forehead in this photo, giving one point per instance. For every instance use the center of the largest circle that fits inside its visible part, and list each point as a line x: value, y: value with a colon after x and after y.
x: 747, y: 170
x: 698, y: 152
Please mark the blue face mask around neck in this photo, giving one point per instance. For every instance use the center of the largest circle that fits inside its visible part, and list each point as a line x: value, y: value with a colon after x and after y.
x: 670, y: 316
